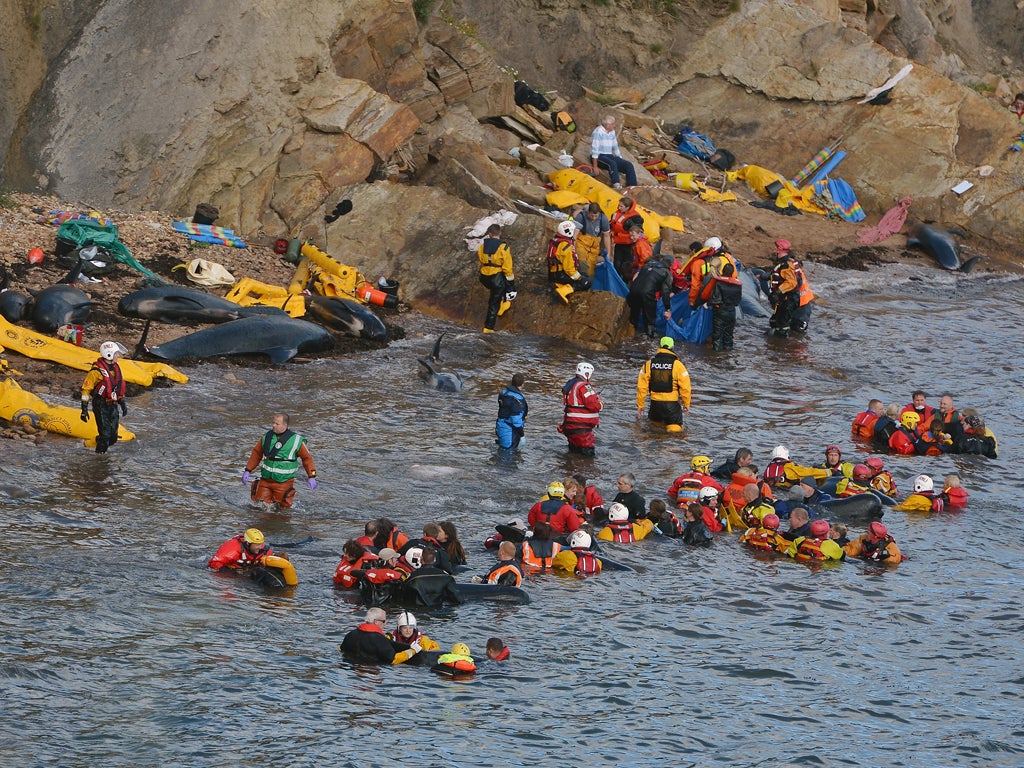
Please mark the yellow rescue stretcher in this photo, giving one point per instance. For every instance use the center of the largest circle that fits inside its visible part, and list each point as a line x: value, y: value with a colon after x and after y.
x: 22, y: 408
x: 40, y: 347
x: 591, y: 190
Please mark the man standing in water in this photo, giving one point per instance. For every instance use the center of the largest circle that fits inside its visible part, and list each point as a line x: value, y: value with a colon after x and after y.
x: 278, y: 454
x: 668, y: 382
x: 512, y: 412
x: 582, y: 409
x: 105, y: 385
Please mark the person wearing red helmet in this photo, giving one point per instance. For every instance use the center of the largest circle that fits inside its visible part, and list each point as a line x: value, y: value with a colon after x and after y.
x: 881, y: 480
x: 816, y: 545
x: 834, y: 462
x: 765, y: 537
x: 789, y: 292
x: 859, y: 483
x: 876, y: 545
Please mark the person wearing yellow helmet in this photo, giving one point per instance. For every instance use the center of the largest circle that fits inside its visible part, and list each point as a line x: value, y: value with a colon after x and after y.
x: 242, y: 551
x: 667, y: 381
x: 697, y: 478
x: 457, y: 662
x: 555, y: 510
x: 906, y: 435
x: 277, y: 455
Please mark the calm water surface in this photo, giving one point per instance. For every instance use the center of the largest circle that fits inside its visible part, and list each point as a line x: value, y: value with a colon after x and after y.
x: 119, y: 647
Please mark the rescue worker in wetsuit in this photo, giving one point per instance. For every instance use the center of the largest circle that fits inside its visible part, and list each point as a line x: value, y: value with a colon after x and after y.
x: 538, y: 551
x: 354, y: 557
x: 924, y: 498
x: 665, y: 521
x: 834, y: 462
x: 506, y: 572
x: 278, y: 454
x: 724, y: 293
x: 407, y: 632
x: 865, y: 421
x: 496, y: 275
x: 457, y: 662
x: 564, y: 263
x: 881, y: 480
x: 652, y: 281
x: 242, y: 551
x: 816, y: 545
x: 859, y: 483
x: 582, y: 411
x: 876, y: 545
x: 765, y: 536
x: 666, y: 379
x: 620, y: 529
x: 789, y: 292
x: 105, y: 386
x: 703, y: 265
x: 367, y: 643
x: 555, y: 510
x: 904, y: 439
x: 512, y: 412
x: 578, y: 558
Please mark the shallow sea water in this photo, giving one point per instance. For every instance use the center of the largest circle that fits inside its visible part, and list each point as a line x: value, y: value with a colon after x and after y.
x: 119, y: 647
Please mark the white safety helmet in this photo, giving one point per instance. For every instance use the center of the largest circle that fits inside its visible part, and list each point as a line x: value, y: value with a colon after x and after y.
x: 707, y: 492
x: 580, y: 540
x: 586, y: 370
x: 713, y: 243
x: 406, y: 619
x: 110, y: 348
x: 780, y: 452
x: 414, y: 556
x: 567, y: 228
x: 617, y: 513
x: 923, y: 484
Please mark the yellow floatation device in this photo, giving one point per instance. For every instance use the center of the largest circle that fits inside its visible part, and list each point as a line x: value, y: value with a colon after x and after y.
x: 21, y: 407
x: 248, y: 292
x: 594, y: 191
x: 285, y: 566
x: 40, y: 347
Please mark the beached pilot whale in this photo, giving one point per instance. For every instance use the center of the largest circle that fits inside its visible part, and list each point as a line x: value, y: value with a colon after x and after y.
x: 13, y: 305
x: 347, y: 316
x: 278, y: 336
x: 942, y: 246
x: 179, y: 304
x: 436, y: 376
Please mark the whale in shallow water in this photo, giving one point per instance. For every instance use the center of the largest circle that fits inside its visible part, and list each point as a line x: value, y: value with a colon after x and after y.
x: 942, y: 247
x: 179, y: 304
x: 444, y: 380
x: 278, y: 336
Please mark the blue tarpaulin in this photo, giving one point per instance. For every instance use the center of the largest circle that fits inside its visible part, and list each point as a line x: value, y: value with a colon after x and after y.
x: 606, y: 278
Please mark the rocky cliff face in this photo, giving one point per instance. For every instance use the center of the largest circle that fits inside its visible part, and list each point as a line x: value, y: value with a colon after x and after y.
x: 273, y: 111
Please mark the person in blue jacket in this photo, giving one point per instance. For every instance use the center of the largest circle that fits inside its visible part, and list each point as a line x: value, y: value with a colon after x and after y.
x: 512, y: 411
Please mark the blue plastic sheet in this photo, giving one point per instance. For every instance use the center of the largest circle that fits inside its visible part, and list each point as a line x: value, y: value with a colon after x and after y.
x: 607, y: 278
x: 697, y: 328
